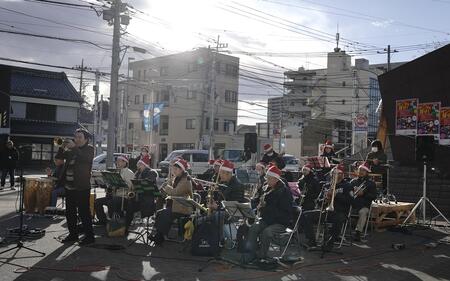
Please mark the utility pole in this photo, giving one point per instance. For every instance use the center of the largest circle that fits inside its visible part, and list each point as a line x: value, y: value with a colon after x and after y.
x: 114, y: 16
x: 96, y: 91
x: 212, y: 94
x: 354, y: 109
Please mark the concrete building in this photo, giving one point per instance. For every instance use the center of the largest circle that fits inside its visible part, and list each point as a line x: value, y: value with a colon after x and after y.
x: 179, y: 87
x: 327, y: 100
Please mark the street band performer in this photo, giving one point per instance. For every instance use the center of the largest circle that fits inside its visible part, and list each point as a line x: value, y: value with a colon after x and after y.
x: 275, y: 212
x: 181, y: 186
x: 77, y: 174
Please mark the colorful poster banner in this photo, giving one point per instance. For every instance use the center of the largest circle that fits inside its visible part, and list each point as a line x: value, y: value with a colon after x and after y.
x: 406, y: 117
x: 444, y: 138
x: 428, y: 119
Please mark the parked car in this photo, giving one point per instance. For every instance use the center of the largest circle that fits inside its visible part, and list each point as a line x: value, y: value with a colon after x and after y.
x: 292, y: 163
x: 198, y: 159
x: 99, y: 162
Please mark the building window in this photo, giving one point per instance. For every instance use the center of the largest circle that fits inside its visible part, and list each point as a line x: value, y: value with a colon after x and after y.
x: 145, y: 74
x: 191, y: 94
x: 163, y: 71
x: 130, y: 126
x: 230, y: 96
x: 227, y: 124
x: 136, y: 99
x: 164, y: 96
x: 231, y: 70
x: 190, y: 124
x: 207, y: 121
x: 180, y: 146
x: 164, y: 125
x: 41, y: 151
x: 144, y: 99
x: 139, y: 75
x: 36, y: 111
x: 217, y: 67
x: 216, y: 124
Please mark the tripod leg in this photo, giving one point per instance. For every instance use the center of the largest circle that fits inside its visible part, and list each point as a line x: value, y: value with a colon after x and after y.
x: 412, y: 211
x: 437, y: 210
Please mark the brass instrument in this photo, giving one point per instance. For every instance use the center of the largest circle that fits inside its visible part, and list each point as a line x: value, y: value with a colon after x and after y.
x: 361, y: 187
x: 334, y: 179
x: 131, y: 194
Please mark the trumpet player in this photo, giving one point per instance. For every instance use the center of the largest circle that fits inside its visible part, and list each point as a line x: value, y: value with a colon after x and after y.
x: 113, y: 201
x: 364, y: 192
x: 310, y: 190
x: 339, y: 205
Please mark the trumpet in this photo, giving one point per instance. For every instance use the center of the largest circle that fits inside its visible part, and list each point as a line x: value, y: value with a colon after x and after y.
x: 208, y: 183
x: 361, y: 187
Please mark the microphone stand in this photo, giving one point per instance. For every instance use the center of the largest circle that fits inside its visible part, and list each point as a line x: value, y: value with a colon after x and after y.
x: 20, y: 240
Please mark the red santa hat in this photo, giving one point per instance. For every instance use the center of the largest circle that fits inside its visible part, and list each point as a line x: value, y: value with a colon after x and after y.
x: 329, y: 144
x: 143, y: 163
x: 123, y: 158
x: 307, y: 166
x: 267, y: 147
x: 211, y: 162
x: 365, y: 166
x: 227, y: 166
x: 273, y: 171
x: 218, y: 162
x: 182, y: 164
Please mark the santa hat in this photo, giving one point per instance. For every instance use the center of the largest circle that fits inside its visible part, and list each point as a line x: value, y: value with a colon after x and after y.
x: 273, y: 171
x: 307, y: 166
x: 365, y: 166
x: 182, y: 164
x: 211, y: 162
x: 143, y: 163
x: 145, y: 148
x: 267, y: 147
x: 218, y: 162
x: 227, y: 166
x: 329, y: 144
x: 123, y: 158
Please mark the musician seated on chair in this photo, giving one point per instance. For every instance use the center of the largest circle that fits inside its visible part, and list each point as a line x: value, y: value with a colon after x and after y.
x: 114, y: 201
x: 310, y: 190
x: 213, y: 172
x: 377, y: 160
x: 364, y: 192
x: 58, y: 188
x: 146, y: 201
x: 181, y: 186
x: 275, y: 212
x: 341, y: 205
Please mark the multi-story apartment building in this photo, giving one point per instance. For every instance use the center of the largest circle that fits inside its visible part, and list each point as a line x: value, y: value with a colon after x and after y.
x: 179, y: 87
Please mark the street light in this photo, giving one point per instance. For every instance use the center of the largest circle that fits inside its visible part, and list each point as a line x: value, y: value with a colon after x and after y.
x: 126, y: 104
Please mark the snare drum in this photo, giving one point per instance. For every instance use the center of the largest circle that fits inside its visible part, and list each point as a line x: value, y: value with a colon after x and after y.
x: 44, y: 193
x: 30, y: 193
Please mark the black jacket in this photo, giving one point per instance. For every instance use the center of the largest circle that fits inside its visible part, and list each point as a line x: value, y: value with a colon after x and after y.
x: 381, y: 156
x: 9, y: 158
x: 370, y: 192
x: 343, y: 198
x: 278, y: 206
x: 310, y: 187
x: 266, y: 159
x: 79, y: 164
x: 147, y: 174
x: 234, y: 190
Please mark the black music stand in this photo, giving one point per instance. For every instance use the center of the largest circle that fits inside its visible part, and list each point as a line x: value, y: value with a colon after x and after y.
x: 140, y: 187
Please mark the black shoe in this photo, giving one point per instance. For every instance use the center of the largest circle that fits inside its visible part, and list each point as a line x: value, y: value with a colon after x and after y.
x: 13, y: 188
x: 312, y: 244
x: 357, y: 236
x: 70, y: 238
x: 99, y: 223
x: 87, y: 241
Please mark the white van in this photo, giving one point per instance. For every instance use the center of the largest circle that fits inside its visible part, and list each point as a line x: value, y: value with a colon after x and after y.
x: 198, y: 160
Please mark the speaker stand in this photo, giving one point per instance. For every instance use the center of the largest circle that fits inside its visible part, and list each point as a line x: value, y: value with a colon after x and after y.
x: 422, y: 202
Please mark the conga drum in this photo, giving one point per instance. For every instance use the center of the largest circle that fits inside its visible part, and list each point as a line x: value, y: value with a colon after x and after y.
x: 44, y: 193
x: 30, y: 193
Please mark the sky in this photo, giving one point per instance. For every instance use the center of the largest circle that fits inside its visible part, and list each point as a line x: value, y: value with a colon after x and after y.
x: 269, y: 36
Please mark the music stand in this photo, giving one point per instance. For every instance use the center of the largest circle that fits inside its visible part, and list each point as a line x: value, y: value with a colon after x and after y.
x: 237, y: 211
x: 140, y: 187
